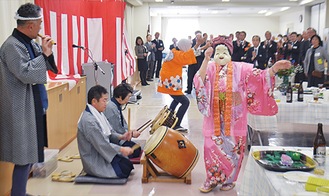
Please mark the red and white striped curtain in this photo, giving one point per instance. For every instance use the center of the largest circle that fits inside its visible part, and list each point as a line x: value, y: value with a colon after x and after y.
x: 94, y: 24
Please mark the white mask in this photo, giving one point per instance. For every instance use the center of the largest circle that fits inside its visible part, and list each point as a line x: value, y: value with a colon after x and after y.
x: 222, y: 55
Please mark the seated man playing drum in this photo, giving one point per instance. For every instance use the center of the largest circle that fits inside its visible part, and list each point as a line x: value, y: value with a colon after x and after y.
x: 98, y: 144
x: 113, y: 113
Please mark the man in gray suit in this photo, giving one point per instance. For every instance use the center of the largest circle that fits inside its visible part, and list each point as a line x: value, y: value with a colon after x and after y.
x: 151, y: 48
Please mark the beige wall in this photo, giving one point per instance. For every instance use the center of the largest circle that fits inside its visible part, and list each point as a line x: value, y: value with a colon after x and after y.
x: 8, y: 9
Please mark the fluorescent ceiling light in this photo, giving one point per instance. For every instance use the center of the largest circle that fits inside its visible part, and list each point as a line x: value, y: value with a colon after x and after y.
x: 158, y: 0
x: 293, y: 0
x: 225, y: 0
x: 305, y: 2
x: 268, y: 13
x: 284, y: 9
x: 262, y: 12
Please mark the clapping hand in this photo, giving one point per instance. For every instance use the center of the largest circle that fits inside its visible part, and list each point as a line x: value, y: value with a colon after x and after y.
x: 208, y: 52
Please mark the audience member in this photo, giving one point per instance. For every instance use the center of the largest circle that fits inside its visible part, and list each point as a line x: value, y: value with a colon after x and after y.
x: 158, y: 54
x: 151, y: 48
x: 141, y: 53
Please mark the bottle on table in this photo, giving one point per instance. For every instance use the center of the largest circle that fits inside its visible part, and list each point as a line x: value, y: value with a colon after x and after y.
x: 289, y: 93
x: 300, y: 92
x: 319, y: 146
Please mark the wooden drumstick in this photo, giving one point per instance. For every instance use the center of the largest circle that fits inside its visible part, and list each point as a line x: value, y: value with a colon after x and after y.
x: 144, y: 126
x: 129, y: 122
x: 136, y: 146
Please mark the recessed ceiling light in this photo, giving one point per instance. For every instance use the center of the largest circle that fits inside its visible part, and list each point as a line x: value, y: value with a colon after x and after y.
x: 305, y: 2
x: 293, y: 0
x: 268, y: 13
x: 225, y: 0
x: 262, y: 12
x: 158, y: 0
x: 284, y: 9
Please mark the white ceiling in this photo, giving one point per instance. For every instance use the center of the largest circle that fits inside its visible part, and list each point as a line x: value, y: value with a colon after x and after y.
x: 188, y: 8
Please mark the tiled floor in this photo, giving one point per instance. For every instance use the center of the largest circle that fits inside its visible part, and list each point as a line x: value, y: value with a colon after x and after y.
x: 147, y: 108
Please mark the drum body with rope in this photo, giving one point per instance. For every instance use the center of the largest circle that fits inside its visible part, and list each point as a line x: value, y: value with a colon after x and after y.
x: 172, y: 152
x: 165, y: 117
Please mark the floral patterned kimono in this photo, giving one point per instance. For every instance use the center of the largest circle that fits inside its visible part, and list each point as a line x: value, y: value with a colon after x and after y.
x: 251, y: 92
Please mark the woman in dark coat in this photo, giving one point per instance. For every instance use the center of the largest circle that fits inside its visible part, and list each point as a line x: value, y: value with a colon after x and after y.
x: 141, y: 53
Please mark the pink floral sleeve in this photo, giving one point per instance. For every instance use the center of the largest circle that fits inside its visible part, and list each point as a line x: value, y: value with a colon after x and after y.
x: 259, y: 92
x: 203, y: 90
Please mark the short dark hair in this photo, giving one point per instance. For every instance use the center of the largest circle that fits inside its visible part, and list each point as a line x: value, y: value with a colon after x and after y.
x: 137, y: 38
x: 197, y: 31
x: 122, y: 90
x: 295, y: 33
x: 96, y: 92
x: 28, y: 10
x: 319, y: 38
x: 243, y: 33
x: 256, y: 36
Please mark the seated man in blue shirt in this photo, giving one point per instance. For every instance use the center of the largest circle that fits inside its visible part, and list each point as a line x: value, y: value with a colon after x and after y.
x: 113, y: 113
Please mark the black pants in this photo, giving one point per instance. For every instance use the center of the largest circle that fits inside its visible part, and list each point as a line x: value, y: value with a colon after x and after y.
x: 142, y: 75
x: 158, y: 63
x: 191, y: 71
x: 184, y: 101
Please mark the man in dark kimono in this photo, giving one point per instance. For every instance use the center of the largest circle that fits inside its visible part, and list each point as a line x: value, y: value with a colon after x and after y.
x: 23, y: 100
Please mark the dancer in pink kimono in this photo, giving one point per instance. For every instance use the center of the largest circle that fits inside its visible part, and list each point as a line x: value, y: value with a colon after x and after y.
x: 226, y: 91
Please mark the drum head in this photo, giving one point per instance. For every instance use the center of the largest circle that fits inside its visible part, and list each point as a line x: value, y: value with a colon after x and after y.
x: 155, y: 139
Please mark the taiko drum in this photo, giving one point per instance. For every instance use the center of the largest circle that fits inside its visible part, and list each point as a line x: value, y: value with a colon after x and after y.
x: 171, y: 151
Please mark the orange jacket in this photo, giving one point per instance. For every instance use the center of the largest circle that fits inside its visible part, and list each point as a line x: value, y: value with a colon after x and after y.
x: 170, y: 81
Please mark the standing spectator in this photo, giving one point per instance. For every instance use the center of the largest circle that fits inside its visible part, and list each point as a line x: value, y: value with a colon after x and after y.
x: 192, y: 69
x: 280, y: 54
x: 23, y: 100
x: 174, y: 44
x: 151, y: 48
x: 237, y: 35
x: 314, y: 62
x: 158, y: 54
x: 141, y: 53
x: 257, y: 54
x: 270, y: 47
x: 294, y: 51
x: 310, y: 33
x: 240, y: 47
x: 293, y: 48
x: 303, y: 47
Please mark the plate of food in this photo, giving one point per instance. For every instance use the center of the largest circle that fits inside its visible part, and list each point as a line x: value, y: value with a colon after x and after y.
x: 283, y: 161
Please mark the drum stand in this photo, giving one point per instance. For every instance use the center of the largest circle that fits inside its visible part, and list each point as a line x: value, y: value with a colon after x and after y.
x: 151, y: 174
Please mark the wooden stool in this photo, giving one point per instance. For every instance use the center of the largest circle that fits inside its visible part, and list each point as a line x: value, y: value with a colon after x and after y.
x: 151, y: 174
